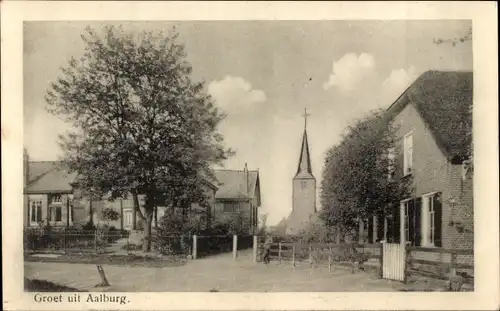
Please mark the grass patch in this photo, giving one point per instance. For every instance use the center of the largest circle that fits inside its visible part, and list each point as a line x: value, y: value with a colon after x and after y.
x: 120, y: 260
x: 33, y: 285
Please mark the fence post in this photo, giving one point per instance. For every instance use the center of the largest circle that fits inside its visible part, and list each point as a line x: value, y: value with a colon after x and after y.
x: 95, y: 241
x: 279, y: 252
x: 255, y: 248
x: 235, y: 246
x: 293, y: 255
x: 453, y: 262
x: 310, y: 257
x: 128, y: 244
x: 406, y: 264
x: 195, y: 246
x: 381, y: 268
x: 330, y: 259
x: 65, y: 239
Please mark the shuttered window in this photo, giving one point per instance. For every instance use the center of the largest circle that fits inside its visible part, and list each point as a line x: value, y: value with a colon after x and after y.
x: 431, y: 219
x: 436, y: 219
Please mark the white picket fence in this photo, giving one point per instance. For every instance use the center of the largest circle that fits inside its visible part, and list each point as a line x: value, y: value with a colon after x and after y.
x: 393, y: 261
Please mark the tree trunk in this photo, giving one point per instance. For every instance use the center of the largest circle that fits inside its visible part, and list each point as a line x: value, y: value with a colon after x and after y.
x: 137, y: 210
x: 146, y: 247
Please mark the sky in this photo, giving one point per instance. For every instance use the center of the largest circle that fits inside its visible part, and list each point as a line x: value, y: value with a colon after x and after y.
x: 263, y: 74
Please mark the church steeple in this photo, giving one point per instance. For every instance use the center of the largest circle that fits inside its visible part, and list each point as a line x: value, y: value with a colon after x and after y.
x: 304, y: 169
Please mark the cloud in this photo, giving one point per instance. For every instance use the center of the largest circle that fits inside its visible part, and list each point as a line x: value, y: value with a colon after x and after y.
x: 350, y: 70
x: 398, y: 80
x: 235, y: 92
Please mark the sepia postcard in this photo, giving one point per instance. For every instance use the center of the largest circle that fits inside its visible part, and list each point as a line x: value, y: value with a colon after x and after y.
x: 250, y: 155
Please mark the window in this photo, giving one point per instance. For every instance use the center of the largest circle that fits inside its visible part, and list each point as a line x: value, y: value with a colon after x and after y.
x: 55, y: 199
x: 408, y: 154
x: 35, y: 212
x: 127, y: 218
x: 71, y: 217
x: 58, y: 213
x: 431, y: 220
x: 230, y: 207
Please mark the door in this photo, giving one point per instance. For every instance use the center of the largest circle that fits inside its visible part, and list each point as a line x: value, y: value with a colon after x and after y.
x: 127, y: 219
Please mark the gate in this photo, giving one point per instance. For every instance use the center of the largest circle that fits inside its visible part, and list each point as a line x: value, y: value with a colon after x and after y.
x: 393, y: 261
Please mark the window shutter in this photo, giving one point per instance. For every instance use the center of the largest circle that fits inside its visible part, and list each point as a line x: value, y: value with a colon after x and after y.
x: 370, y: 230
x: 418, y: 212
x: 396, y: 220
x: 411, y: 222
x: 437, y: 219
x: 380, y: 228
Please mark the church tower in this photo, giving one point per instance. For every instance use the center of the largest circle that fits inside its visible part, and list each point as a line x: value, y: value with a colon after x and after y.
x: 304, y: 189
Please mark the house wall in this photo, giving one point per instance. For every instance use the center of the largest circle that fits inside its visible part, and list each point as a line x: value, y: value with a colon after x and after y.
x: 82, y: 209
x: 433, y: 172
x: 44, y: 198
x: 25, y: 211
x: 243, y: 211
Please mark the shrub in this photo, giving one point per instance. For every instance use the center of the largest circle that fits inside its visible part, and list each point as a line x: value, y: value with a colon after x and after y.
x: 172, y: 235
x: 109, y: 214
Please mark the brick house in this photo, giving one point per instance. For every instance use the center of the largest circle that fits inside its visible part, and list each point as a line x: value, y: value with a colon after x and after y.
x: 433, y: 118
x: 50, y: 197
x: 238, y: 195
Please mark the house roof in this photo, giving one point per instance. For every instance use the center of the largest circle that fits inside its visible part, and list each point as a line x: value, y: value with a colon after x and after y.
x: 233, y: 184
x: 444, y: 101
x: 47, y: 177
x: 52, y: 177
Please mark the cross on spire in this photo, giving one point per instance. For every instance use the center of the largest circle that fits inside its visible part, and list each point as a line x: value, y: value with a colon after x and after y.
x: 305, y: 115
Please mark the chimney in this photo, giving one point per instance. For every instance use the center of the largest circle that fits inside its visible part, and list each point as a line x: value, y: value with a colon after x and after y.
x: 246, y: 178
x: 26, y: 160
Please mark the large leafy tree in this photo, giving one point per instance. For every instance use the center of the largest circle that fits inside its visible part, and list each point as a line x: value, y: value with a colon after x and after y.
x: 141, y: 125
x: 360, y: 177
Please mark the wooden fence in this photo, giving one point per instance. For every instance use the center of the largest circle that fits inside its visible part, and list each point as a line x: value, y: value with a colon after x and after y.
x: 322, y: 255
x: 371, y: 255
x: 447, y: 263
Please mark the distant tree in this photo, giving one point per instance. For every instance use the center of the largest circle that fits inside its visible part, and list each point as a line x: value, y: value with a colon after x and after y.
x: 454, y: 41
x: 360, y: 175
x: 141, y: 125
x: 262, y: 224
